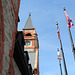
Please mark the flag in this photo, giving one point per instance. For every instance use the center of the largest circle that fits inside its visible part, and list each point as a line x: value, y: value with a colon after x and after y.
x: 69, y: 21
x: 58, y: 34
x: 59, y: 55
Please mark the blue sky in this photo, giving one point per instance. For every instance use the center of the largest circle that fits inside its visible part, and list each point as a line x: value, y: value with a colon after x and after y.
x: 44, y: 14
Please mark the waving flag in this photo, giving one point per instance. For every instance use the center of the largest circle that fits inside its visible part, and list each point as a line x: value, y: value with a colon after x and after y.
x: 59, y: 55
x: 69, y: 21
x: 58, y: 34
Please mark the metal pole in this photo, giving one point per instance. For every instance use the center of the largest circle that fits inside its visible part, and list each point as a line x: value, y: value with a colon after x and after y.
x: 60, y: 67
x: 73, y: 48
x: 62, y: 53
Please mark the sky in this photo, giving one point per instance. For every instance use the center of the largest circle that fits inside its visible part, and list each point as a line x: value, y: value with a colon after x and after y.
x: 44, y: 14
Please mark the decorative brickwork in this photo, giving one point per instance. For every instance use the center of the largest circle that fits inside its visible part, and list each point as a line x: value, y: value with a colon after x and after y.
x: 11, y: 67
x: 8, y: 27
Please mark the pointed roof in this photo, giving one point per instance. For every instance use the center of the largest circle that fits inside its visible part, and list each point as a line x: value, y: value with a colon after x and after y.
x: 29, y: 24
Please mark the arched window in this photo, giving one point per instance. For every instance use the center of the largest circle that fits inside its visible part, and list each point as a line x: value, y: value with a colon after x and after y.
x: 28, y: 34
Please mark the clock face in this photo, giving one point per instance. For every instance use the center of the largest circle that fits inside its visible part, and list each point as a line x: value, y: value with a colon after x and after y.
x: 27, y: 42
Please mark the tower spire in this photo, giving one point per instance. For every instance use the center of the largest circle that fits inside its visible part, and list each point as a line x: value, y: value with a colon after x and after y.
x: 29, y: 24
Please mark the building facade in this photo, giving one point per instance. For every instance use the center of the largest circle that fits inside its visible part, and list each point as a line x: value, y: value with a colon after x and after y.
x: 21, y: 57
x: 16, y: 56
x: 8, y: 28
x: 31, y: 45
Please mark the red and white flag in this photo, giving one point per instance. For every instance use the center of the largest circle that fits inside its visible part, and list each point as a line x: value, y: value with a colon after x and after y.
x: 59, y: 55
x: 69, y: 21
x: 58, y: 34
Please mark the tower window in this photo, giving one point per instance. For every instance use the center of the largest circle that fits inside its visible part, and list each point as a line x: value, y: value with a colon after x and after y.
x: 28, y: 34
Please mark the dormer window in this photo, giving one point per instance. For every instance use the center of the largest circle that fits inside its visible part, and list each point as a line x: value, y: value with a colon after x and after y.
x: 28, y: 34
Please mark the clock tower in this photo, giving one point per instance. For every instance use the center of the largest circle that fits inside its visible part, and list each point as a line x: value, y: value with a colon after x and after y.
x: 31, y: 45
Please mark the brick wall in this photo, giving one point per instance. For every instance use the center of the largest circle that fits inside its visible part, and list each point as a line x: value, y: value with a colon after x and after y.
x: 17, y: 72
x: 8, y: 26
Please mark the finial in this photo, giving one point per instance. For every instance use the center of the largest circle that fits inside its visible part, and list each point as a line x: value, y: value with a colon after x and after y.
x: 56, y: 22
x: 58, y: 49
x: 64, y: 8
x: 29, y: 13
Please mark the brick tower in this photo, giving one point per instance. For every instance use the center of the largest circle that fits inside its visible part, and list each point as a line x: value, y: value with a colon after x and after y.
x: 31, y: 45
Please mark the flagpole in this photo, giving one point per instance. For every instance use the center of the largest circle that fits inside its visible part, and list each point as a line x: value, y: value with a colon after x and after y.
x: 73, y: 48
x: 60, y: 67
x: 60, y: 63
x: 62, y: 53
